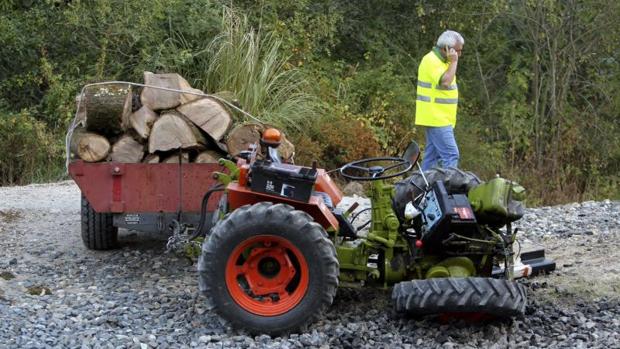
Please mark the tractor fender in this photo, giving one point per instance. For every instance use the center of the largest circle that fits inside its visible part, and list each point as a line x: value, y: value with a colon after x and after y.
x: 240, y: 196
x: 325, y: 184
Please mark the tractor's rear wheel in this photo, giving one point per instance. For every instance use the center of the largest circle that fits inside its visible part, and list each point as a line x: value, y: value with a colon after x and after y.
x: 98, y: 231
x: 268, y: 268
x: 455, y: 180
x: 498, y: 297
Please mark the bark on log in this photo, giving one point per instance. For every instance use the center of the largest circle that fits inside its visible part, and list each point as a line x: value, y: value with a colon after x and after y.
x: 127, y: 149
x: 242, y: 136
x: 136, y: 103
x: 108, y: 108
x: 208, y: 157
x: 142, y: 121
x: 174, y: 159
x: 157, y: 99
x: 76, y: 135
x: 89, y: 146
x: 173, y: 131
x: 80, y: 105
x: 286, y: 150
x: 208, y: 114
x: 151, y: 159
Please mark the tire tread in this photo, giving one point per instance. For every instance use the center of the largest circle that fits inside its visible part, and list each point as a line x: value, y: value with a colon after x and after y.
x: 257, y: 214
x: 98, y: 230
x: 460, y: 295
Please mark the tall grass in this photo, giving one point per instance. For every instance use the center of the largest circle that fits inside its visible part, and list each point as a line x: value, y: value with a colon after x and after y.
x: 244, y: 64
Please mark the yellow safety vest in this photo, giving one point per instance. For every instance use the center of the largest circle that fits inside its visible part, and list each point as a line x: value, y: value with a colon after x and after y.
x: 435, y: 104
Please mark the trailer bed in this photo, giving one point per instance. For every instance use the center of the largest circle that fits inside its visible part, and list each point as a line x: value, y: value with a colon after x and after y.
x: 112, y: 187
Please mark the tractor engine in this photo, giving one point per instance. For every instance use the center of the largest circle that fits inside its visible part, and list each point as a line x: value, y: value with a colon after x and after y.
x: 456, y: 222
x: 443, y: 214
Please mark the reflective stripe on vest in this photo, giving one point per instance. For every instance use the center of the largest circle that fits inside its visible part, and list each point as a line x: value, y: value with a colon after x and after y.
x: 435, y: 104
x: 424, y: 98
x: 447, y: 100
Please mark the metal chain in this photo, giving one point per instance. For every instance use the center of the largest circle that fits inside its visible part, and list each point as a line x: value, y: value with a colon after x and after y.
x: 178, y: 239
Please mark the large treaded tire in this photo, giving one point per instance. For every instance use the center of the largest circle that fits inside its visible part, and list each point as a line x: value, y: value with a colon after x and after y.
x: 497, y: 297
x: 284, y: 222
x: 455, y: 180
x: 98, y: 230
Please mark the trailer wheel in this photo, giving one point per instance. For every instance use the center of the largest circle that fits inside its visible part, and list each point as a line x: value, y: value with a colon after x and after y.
x: 498, y: 297
x: 98, y: 232
x: 268, y: 268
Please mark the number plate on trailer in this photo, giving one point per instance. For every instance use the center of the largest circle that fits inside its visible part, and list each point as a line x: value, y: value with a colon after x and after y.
x: 132, y: 219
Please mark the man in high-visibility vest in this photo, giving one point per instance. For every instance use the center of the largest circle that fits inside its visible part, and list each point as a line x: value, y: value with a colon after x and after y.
x: 437, y: 99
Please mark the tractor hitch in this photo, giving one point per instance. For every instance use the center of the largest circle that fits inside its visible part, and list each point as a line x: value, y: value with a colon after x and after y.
x: 530, y: 263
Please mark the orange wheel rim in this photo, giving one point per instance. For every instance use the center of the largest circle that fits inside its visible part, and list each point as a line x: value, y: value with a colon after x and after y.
x: 267, y: 275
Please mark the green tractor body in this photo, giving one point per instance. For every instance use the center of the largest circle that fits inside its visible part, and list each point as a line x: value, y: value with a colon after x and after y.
x: 458, y: 247
x: 281, y: 247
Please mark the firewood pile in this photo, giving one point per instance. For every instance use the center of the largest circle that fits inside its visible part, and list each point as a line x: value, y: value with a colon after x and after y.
x: 119, y: 122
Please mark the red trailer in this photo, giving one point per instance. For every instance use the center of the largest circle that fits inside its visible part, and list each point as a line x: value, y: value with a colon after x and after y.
x: 144, y: 197
x: 139, y: 196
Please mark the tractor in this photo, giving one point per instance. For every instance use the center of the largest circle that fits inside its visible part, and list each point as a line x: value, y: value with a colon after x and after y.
x: 276, y: 246
x: 280, y: 246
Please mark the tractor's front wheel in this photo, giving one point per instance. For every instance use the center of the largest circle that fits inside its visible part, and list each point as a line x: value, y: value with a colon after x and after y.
x: 498, y: 297
x: 268, y: 268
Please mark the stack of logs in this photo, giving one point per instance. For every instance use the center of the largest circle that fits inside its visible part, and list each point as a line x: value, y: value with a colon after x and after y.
x: 124, y: 124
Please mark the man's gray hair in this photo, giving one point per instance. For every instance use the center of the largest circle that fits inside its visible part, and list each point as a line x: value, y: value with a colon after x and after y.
x: 450, y: 38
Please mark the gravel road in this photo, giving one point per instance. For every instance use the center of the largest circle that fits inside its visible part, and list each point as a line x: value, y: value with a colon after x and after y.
x: 56, y: 293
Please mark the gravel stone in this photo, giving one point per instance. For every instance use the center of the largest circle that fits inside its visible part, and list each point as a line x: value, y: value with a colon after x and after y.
x: 140, y: 297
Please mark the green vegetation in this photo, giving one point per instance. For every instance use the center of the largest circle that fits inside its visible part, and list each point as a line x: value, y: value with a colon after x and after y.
x: 539, y: 79
x: 249, y: 67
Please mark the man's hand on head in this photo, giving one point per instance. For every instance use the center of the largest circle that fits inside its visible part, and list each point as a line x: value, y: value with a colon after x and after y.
x: 452, y: 55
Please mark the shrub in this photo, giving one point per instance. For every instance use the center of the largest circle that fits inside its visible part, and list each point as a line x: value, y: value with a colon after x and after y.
x: 30, y: 153
x: 336, y: 141
x: 384, y: 100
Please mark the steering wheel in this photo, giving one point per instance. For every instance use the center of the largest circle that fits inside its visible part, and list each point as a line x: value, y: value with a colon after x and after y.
x: 375, y: 173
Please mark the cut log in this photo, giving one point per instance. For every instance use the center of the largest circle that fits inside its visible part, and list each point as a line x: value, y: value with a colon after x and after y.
x: 108, y: 108
x: 174, y: 159
x: 286, y: 150
x: 89, y: 146
x: 151, y: 159
x: 172, y: 131
x: 208, y: 157
x: 242, y: 136
x: 142, y: 121
x: 157, y: 99
x: 127, y: 149
x: 208, y: 114
x: 76, y: 135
